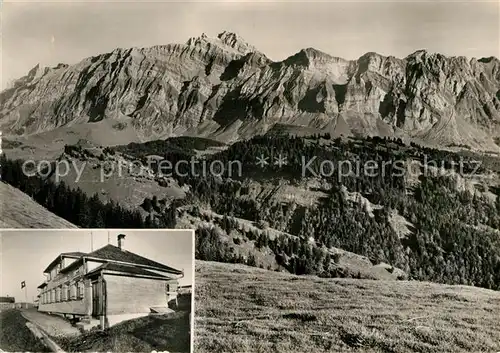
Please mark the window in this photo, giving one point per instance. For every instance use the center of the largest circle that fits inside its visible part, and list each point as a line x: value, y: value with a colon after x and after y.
x: 80, y: 290
x: 73, y: 291
x: 64, y: 293
x: 171, y: 287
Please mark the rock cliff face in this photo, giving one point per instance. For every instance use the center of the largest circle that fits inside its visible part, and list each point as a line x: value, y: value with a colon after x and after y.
x: 224, y: 88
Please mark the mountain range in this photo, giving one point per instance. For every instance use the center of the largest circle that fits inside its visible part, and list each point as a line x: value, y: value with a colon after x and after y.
x: 225, y: 89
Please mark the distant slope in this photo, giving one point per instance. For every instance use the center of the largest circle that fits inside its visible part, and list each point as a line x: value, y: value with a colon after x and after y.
x: 346, y: 263
x: 243, y: 309
x: 18, y: 210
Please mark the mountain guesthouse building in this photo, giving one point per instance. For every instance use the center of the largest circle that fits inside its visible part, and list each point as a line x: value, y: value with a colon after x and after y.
x: 108, y: 285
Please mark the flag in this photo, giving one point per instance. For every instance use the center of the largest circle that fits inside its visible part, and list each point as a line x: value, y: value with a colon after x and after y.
x: 23, y: 284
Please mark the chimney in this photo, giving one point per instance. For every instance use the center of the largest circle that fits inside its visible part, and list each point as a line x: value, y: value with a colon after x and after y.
x: 121, y: 241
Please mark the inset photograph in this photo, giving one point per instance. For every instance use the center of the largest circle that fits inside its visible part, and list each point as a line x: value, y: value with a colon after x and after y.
x: 96, y: 290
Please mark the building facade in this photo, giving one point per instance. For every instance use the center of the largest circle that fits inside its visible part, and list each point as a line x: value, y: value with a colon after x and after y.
x: 110, y: 284
x: 7, y: 303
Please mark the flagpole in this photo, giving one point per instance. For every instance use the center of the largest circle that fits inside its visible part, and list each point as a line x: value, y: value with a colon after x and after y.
x: 26, y: 292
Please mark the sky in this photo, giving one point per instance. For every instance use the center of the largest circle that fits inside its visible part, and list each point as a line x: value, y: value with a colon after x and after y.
x: 68, y: 31
x: 24, y: 254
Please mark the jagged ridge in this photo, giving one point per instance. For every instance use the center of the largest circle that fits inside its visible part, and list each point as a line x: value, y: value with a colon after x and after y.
x: 224, y: 88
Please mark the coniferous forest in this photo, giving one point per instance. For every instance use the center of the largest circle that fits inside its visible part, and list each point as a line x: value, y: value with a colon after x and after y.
x: 73, y: 204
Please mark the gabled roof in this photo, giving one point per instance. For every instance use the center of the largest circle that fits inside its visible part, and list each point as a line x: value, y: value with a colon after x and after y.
x: 125, y: 269
x: 73, y: 254
x: 114, y: 253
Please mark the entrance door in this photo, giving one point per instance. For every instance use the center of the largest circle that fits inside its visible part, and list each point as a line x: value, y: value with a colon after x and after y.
x: 96, y: 298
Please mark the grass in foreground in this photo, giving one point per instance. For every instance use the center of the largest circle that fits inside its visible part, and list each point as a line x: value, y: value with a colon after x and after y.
x: 15, y: 336
x: 168, y: 332
x: 243, y: 309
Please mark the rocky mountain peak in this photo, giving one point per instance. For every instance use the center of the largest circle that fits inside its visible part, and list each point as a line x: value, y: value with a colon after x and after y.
x: 311, y: 57
x: 370, y: 60
x: 60, y: 66
x: 229, y: 41
x: 488, y: 60
x: 171, y: 89
x: 418, y: 53
x: 193, y: 41
x: 36, y: 72
x: 314, y: 54
x: 33, y: 76
x: 233, y: 40
x: 228, y: 38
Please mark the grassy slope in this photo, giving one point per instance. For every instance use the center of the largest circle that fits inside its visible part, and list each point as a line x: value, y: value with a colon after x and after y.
x: 243, y: 309
x: 158, y: 332
x: 18, y: 210
x: 15, y: 335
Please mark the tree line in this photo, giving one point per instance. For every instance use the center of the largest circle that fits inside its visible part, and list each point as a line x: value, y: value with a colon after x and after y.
x: 73, y: 204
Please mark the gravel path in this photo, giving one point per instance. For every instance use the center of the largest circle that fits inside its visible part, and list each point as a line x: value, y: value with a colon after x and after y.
x: 53, y: 325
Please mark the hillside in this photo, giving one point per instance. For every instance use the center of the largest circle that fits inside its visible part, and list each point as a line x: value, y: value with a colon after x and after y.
x: 382, y: 216
x: 358, y: 224
x: 243, y: 309
x: 18, y: 210
x: 230, y: 239
x: 225, y: 89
